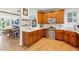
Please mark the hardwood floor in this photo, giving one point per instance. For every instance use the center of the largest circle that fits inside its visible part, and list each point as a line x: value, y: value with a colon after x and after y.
x: 51, y: 45
x: 11, y: 44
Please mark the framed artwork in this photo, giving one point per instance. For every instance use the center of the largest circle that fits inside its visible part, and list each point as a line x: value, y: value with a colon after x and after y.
x: 33, y: 23
x: 25, y: 11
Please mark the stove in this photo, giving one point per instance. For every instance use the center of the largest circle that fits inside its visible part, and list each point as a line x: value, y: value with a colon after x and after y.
x: 51, y: 32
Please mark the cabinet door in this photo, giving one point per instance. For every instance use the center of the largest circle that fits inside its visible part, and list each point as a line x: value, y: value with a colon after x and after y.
x: 43, y: 31
x: 60, y: 16
x: 73, y: 39
x: 59, y: 35
x: 45, y: 19
x: 25, y: 38
x: 31, y: 38
x: 37, y: 35
x: 40, y: 16
x: 66, y: 36
x: 40, y: 34
x: 34, y: 37
x: 49, y: 14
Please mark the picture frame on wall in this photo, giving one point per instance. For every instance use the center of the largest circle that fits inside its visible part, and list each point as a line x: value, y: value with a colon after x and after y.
x: 33, y: 23
x: 25, y: 11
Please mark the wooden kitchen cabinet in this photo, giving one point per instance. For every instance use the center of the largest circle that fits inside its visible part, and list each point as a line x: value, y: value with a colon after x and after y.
x: 73, y: 39
x: 40, y: 17
x: 44, y: 32
x: 66, y: 36
x: 49, y: 14
x: 34, y: 37
x: 38, y: 34
x: 29, y: 38
x: 60, y: 17
x: 25, y: 38
x: 44, y: 20
x: 59, y: 35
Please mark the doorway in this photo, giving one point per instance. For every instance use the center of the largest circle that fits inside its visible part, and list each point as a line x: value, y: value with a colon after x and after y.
x: 9, y: 28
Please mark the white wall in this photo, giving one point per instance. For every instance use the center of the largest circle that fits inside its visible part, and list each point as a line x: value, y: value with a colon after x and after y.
x: 70, y: 24
x: 32, y: 13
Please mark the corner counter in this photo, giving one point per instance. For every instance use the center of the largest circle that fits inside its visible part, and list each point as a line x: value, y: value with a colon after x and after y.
x: 29, y: 37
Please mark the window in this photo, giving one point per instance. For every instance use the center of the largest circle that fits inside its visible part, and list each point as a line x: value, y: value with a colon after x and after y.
x: 72, y: 17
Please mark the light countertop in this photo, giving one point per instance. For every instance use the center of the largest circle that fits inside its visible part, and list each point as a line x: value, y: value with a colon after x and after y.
x: 70, y: 29
x: 31, y: 29
x: 25, y: 29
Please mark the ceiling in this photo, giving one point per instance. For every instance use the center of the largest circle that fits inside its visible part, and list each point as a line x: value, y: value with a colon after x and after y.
x: 48, y: 9
x: 11, y: 10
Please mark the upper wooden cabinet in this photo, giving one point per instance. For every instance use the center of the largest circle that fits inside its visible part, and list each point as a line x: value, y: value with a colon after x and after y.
x: 49, y: 14
x: 40, y: 17
x: 58, y: 15
x: 44, y: 18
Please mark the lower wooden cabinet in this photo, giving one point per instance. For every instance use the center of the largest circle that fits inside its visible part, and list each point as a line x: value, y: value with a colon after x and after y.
x: 25, y: 38
x: 66, y: 36
x: 59, y: 34
x: 73, y: 39
x: 30, y: 38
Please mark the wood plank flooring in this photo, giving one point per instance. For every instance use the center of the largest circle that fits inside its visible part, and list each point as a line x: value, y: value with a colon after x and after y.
x: 51, y: 45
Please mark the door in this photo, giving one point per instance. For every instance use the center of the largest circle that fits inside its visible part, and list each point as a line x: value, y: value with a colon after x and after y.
x: 31, y: 38
x: 59, y: 35
x: 24, y: 38
x: 40, y: 16
x: 45, y: 18
x: 66, y: 36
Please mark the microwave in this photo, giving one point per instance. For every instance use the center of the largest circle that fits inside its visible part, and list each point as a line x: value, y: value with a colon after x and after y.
x: 51, y: 20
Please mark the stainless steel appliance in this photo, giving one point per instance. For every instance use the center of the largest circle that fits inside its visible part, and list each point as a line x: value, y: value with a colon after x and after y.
x: 51, y: 20
x: 51, y: 33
